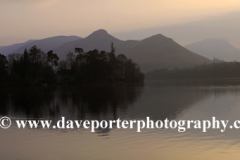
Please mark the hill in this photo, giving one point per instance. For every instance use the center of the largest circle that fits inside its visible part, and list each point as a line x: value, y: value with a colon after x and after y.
x: 100, y: 40
x: 151, y: 53
x: 218, y: 48
x: 159, y: 51
x: 48, y: 43
x: 10, y: 49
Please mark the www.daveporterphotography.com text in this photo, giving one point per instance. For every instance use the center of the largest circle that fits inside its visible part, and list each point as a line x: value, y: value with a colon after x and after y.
x: 139, y: 125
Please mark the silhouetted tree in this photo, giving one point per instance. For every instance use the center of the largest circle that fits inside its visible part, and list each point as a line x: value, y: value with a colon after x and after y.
x: 35, y: 54
x: 3, y: 68
x: 34, y: 67
x: 102, y: 66
x: 52, y: 58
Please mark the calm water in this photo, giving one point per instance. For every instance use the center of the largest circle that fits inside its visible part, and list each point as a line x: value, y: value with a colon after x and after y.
x: 125, y: 102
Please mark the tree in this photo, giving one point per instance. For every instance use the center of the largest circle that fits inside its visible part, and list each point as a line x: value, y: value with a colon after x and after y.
x: 62, y: 65
x: 79, y: 50
x: 26, y: 55
x: 111, y: 55
x: 121, y: 68
x: 113, y: 49
x: 35, y: 54
x: 12, y: 60
x: 3, y: 68
x: 70, y: 57
x: 52, y: 58
x: 26, y: 65
x: 81, y: 58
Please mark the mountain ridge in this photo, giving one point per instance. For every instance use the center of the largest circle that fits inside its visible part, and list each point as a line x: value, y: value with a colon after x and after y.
x: 154, y: 52
x: 45, y: 44
x: 11, y: 48
x: 49, y: 43
x: 150, y: 53
x: 215, y: 48
x: 99, y: 39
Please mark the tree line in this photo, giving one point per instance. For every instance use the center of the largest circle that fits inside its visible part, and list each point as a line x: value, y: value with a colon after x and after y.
x: 206, y: 71
x: 34, y: 67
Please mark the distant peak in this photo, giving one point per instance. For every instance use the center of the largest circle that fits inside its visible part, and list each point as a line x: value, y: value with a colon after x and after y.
x: 99, y: 33
x: 211, y: 41
x: 158, y: 37
x: 216, y: 40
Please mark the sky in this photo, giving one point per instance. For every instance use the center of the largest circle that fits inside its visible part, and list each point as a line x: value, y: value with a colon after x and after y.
x: 22, y: 20
x: 221, y: 26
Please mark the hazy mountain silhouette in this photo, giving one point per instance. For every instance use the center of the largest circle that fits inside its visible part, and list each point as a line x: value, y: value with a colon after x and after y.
x: 10, y: 49
x: 99, y: 39
x: 151, y: 53
x: 47, y: 44
x: 218, y: 48
x: 154, y: 52
x: 161, y: 52
x: 224, y: 26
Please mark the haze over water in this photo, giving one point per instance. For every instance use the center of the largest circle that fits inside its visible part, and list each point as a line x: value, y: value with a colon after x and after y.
x: 126, y: 102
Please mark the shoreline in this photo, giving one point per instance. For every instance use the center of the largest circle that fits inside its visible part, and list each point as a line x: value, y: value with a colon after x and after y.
x: 203, y: 81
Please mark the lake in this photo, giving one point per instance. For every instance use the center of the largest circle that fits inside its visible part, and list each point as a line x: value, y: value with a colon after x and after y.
x: 127, y: 102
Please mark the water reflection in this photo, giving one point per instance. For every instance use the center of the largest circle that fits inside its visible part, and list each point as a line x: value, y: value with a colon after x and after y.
x: 106, y: 101
x: 160, y: 102
x: 125, y: 102
x: 73, y: 101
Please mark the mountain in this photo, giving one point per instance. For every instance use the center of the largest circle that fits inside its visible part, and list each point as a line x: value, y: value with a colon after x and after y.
x: 48, y: 43
x: 159, y: 51
x: 151, y: 53
x: 100, y: 40
x: 223, y: 26
x: 10, y: 49
x: 218, y: 48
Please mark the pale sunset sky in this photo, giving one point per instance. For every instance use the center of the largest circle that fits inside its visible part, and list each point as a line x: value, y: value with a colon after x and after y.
x: 22, y: 20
